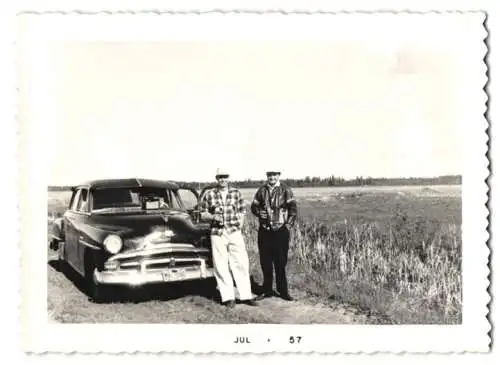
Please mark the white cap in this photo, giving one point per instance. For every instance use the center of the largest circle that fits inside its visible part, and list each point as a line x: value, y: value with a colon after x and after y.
x: 221, y: 171
x: 275, y: 171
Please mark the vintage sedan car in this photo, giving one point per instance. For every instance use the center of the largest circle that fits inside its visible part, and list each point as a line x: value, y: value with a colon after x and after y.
x: 133, y: 232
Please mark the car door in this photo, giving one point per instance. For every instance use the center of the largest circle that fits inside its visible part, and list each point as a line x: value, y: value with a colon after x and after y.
x: 71, y: 244
x: 80, y: 220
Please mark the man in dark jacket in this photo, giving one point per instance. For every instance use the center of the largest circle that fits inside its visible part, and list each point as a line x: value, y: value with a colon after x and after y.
x: 276, y: 208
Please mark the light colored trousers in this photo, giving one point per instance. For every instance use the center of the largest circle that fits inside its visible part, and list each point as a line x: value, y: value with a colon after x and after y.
x: 230, y: 256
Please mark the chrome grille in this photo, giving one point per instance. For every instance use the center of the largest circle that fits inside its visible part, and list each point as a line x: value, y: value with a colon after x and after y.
x: 165, y: 260
x: 168, y: 265
x: 161, y: 256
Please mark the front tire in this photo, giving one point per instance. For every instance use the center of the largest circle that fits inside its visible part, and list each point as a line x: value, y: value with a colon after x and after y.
x: 96, y: 291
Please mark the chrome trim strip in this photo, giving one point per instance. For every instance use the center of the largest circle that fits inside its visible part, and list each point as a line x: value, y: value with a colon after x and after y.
x: 89, y: 245
x: 166, y: 261
x: 130, y: 264
x: 162, y: 249
x: 56, y: 237
x: 159, y: 261
x: 78, y: 212
x: 81, y: 213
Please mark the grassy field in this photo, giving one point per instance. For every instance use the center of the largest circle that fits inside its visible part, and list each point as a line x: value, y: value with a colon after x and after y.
x: 393, y: 251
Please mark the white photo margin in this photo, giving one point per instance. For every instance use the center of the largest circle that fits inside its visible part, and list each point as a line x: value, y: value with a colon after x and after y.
x: 40, y: 336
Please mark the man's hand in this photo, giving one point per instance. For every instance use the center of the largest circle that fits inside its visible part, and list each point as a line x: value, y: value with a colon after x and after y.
x: 288, y: 226
x: 263, y: 214
x: 217, y: 218
x: 241, y: 218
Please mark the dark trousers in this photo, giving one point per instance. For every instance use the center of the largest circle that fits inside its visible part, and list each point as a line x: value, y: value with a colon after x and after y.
x: 273, y: 252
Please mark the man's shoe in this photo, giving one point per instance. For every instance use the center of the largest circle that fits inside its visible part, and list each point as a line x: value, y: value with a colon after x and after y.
x: 265, y: 295
x: 287, y: 297
x: 229, y: 303
x: 250, y: 302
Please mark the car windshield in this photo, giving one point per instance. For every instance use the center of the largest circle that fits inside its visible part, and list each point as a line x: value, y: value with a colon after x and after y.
x: 135, y: 199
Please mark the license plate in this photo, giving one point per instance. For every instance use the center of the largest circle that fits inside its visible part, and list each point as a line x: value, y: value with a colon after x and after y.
x: 174, y: 275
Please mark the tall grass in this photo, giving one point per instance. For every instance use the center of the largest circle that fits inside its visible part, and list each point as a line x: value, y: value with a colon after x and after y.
x: 408, y: 270
x: 382, y: 257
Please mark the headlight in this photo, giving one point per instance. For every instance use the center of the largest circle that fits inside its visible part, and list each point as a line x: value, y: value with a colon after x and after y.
x: 113, y: 243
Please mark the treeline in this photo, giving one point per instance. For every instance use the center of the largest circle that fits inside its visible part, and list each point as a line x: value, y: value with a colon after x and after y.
x: 314, y: 181
x: 59, y: 187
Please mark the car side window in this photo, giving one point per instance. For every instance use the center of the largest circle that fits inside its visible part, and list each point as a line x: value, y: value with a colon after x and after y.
x: 83, y: 202
x: 75, y: 200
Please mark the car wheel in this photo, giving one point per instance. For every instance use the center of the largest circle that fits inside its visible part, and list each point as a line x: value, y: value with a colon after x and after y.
x: 95, y: 290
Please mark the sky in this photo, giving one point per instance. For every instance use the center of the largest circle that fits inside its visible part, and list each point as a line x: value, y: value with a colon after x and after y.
x: 180, y: 109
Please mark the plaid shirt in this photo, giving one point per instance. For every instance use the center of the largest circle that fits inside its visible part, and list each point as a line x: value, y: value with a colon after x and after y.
x: 213, y: 203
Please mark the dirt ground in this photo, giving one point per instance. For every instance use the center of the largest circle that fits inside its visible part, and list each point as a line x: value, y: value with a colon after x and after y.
x: 68, y: 303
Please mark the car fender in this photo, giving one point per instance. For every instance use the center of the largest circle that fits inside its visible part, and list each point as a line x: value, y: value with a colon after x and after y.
x: 96, y: 233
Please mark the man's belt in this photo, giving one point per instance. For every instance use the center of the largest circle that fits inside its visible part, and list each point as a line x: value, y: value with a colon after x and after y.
x: 273, y: 227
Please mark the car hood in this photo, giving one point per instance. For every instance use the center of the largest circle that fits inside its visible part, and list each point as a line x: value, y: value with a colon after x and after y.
x: 142, y: 223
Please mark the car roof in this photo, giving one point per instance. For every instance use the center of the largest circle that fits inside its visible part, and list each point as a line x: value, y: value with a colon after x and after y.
x: 128, y: 183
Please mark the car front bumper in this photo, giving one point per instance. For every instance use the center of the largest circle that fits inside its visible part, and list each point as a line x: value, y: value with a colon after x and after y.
x: 139, y: 278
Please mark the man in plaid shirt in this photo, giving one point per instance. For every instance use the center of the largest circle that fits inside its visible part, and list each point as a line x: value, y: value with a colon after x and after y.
x: 225, y: 209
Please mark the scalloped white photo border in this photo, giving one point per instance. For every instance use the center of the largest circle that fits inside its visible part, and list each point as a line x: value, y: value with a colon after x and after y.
x: 38, y: 335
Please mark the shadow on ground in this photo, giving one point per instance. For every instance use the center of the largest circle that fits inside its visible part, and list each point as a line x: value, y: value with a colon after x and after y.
x: 157, y: 292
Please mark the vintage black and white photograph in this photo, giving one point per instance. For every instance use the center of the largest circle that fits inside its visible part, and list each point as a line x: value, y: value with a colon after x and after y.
x: 289, y: 180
